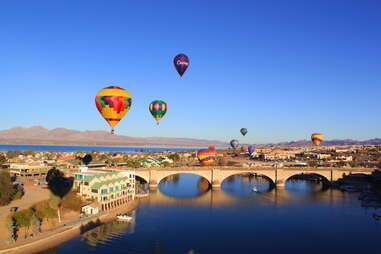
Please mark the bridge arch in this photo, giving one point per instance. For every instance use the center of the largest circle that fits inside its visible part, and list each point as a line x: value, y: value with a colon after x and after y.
x: 325, y: 176
x: 267, y: 175
x: 164, y: 175
x: 143, y: 176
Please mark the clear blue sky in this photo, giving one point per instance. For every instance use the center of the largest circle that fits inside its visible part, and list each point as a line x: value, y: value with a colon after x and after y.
x: 282, y: 69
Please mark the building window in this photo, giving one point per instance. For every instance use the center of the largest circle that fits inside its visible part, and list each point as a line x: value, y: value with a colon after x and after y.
x: 111, y: 189
x: 94, y: 190
x: 86, y: 183
x: 117, y: 187
x: 104, y: 191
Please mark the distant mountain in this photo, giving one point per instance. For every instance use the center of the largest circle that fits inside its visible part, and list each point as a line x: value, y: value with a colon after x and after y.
x: 334, y: 142
x: 41, y: 135
x: 62, y: 136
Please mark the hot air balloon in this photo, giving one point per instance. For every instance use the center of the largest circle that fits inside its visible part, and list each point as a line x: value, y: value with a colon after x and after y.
x: 212, y: 148
x: 243, y: 131
x: 244, y: 149
x: 234, y: 143
x: 251, y: 149
x: 206, y: 157
x: 113, y: 103
x: 158, y: 109
x: 317, y: 138
x: 181, y: 62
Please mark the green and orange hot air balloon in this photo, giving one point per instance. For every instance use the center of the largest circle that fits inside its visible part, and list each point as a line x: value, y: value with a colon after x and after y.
x: 113, y: 103
x: 158, y: 109
x: 206, y: 157
x: 317, y: 138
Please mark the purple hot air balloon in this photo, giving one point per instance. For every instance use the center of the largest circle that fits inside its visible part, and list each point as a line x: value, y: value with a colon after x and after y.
x: 251, y: 149
x: 181, y: 62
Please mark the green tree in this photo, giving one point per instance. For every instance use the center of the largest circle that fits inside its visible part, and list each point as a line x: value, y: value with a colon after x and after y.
x: 36, y: 225
x: 312, y: 164
x: 6, y: 188
x: 43, y: 211
x: 175, y: 157
x: 55, y: 203
x: 13, y: 154
x: 23, y: 219
x: 29, y: 151
x: 3, y: 159
x: 12, y: 229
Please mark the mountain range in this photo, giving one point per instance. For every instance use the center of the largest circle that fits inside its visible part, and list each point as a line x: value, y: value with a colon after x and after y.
x: 62, y: 136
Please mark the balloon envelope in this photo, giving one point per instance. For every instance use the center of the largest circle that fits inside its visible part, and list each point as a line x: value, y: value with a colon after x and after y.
x: 113, y: 103
x: 244, y: 149
x: 206, y: 157
x: 243, y: 131
x: 317, y: 138
x: 234, y: 143
x: 181, y: 63
x: 212, y: 148
x: 251, y: 149
x: 158, y: 109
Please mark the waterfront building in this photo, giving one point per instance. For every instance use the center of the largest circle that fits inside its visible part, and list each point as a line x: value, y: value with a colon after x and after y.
x: 34, y: 170
x: 90, y: 209
x: 110, y: 189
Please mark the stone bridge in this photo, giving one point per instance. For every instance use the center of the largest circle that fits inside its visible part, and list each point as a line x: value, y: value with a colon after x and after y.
x: 216, y: 176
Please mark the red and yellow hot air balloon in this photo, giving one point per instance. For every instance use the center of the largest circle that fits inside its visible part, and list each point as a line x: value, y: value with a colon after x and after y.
x: 212, y: 148
x: 317, y: 138
x: 113, y: 103
x: 206, y: 157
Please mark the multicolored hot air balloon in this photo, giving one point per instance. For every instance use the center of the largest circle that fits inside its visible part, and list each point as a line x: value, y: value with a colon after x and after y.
x: 317, y: 138
x: 158, y: 109
x: 244, y: 149
x: 113, y: 103
x: 181, y: 62
x: 212, y: 148
x: 243, y: 131
x: 251, y: 149
x: 234, y: 143
x: 206, y: 157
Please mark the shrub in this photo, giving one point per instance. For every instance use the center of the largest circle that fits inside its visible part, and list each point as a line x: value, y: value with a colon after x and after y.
x: 175, y: 157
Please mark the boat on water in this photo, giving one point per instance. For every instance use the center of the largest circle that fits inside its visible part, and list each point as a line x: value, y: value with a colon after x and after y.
x: 124, y: 217
x: 348, y: 188
x: 255, y: 189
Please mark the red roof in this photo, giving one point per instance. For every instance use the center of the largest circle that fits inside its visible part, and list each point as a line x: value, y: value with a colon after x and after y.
x: 67, y: 158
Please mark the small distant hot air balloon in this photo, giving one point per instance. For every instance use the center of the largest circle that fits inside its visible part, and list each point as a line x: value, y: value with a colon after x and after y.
x: 243, y: 131
x: 212, y: 148
x: 113, y: 103
x: 317, y: 138
x: 234, y: 143
x: 206, y: 157
x: 181, y: 62
x: 158, y: 109
x: 244, y: 149
x: 251, y: 149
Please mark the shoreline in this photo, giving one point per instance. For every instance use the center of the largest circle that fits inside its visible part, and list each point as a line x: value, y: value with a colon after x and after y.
x: 60, y: 236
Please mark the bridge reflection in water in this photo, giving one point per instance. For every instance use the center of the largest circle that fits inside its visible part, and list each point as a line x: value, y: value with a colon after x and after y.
x: 226, y: 196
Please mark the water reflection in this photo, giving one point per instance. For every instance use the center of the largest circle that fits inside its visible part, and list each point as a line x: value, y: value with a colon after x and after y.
x: 184, y: 185
x: 106, y: 232
x: 237, y: 220
x: 245, y: 186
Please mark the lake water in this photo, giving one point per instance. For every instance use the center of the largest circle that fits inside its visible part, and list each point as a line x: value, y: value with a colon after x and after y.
x: 181, y: 218
x: 112, y: 149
